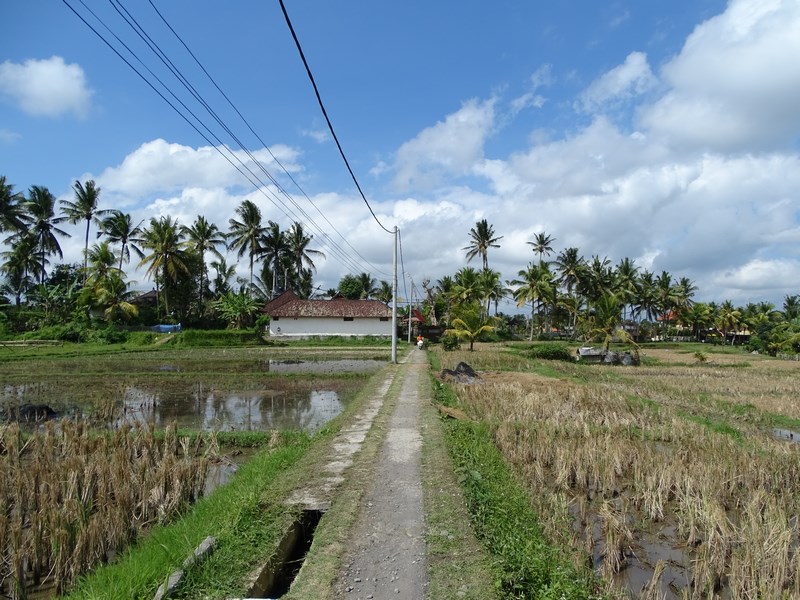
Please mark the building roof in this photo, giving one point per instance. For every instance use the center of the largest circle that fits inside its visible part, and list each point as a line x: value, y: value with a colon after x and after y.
x: 289, y: 304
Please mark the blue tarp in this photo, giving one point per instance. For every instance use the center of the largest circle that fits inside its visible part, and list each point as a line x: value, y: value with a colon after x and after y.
x: 166, y: 328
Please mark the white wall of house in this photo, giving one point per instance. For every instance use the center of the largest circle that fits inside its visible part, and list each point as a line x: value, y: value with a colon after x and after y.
x: 308, y: 326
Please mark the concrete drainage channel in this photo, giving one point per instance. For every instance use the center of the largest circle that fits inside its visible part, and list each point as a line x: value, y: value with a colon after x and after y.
x: 274, y: 579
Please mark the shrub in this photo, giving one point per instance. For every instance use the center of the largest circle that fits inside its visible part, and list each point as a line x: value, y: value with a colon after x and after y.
x: 218, y: 337
x: 551, y: 351
x: 450, y: 342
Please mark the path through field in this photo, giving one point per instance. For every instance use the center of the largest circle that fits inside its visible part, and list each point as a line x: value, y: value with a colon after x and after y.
x: 386, y: 556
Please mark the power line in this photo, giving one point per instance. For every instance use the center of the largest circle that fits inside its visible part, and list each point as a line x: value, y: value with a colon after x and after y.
x: 176, y: 72
x: 156, y: 49
x: 327, y: 120
x: 247, y: 123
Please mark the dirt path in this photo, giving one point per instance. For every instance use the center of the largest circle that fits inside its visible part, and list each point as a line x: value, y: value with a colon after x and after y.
x: 386, y: 555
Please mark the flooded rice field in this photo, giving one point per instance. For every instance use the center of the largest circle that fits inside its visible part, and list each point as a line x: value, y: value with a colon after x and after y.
x: 215, y: 390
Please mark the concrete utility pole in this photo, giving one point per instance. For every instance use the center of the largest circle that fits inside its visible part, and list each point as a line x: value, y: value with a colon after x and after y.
x: 394, y: 298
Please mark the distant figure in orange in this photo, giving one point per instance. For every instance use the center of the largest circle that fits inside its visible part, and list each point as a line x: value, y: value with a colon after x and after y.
x: 420, y: 342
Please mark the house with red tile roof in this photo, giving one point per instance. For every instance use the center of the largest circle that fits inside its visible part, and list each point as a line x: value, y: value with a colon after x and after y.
x: 292, y: 316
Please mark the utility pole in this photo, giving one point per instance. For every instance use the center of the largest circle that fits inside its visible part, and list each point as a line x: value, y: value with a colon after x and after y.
x: 394, y: 298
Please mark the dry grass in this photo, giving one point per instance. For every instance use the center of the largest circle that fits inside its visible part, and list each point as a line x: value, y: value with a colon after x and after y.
x: 70, y: 499
x: 629, y: 455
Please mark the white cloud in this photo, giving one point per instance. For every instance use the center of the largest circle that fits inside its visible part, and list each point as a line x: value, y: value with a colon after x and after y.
x: 46, y: 88
x: 628, y: 80
x: 734, y: 86
x: 450, y: 147
x: 8, y: 137
x: 158, y: 166
x: 318, y: 135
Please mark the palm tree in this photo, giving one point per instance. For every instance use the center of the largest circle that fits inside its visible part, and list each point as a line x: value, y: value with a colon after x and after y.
x: 490, y: 285
x: 203, y: 237
x: 10, y: 207
x: 481, y: 239
x: 541, y: 245
x: 728, y: 318
x: 297, y: 241
x: 20, y: 266
x: 470, y: 325
x: 571, y: 268
x: 246, y: 234
x: 626, y: 276
x: 698, y: 317
x: 114, y: 298
x: 101, y: 264
x: 119, y: 229
x: 646, y: 300
x: 385, y: 292
x: 84, y: 208
x: 598, y: 279
x: 466, y: 287
x: 42, y: 221
x: 273, y: 246
x: 368, y: 286
x: 667, y: 298
x: 224, y: 274
x: 166, y: 260
x: 791, y: 307
x: 535, y: 285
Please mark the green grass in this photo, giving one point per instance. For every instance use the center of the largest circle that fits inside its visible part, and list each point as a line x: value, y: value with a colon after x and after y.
x: 526, y: 565
x: 244, y: 515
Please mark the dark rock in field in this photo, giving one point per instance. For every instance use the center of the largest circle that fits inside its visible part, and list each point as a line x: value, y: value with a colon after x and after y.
x: 32, y: 413
x: 463, y: 373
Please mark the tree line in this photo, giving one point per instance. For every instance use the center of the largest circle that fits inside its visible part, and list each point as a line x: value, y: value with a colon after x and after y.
x: 173, y: 254
x: 567, y: 294
x: 572, y: 296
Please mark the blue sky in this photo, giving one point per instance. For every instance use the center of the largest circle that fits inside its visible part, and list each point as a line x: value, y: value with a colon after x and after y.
x: 663, y: 132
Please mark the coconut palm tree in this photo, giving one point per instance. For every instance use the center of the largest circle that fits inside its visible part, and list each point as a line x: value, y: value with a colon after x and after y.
x: 203, y: 237
x: 667, y: 298
x: 166, y: 260
x: 11, y: 207
x: 646, y: 300
x: 118, y: 228
x: 246, y: 233
x: 274, y: 248
x: 541, y: 245
x: 535, y: 285
x: 490, y: 282
x: 224, y: 274
x: 571, y: 267
x: 791, y: 307
x: 20, y: 266
x: 114, y: 298
x: 297, y: 242
x: 385, y: 292
x: 698, y: 317
x: 368, y: 286
x: 84, y: 208
x: 470, y: 324
x: 42, y: 225
x: 727, y: 320
x: 467, y: 287
x: 626, y: 275
x: 481, y: 239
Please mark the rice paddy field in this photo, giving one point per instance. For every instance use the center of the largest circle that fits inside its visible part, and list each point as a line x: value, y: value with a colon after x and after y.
x: 128, y: 441
x: 679, y: 478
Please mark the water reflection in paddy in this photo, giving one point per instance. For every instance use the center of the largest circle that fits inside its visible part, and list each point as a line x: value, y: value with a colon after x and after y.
x: 215, y: 410
x: 223, y: 394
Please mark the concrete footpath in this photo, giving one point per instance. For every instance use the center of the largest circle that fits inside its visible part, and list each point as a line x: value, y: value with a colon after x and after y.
x: 386, y: 553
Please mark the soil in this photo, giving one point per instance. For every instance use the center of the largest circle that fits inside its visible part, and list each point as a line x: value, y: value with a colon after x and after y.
x: 386, y: 555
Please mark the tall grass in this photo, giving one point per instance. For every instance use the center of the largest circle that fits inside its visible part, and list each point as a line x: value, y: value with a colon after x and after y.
x: 628, y: 467
x: 70, y: 499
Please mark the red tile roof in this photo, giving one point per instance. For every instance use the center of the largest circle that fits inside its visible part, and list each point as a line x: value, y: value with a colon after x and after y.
x: 289, y: 305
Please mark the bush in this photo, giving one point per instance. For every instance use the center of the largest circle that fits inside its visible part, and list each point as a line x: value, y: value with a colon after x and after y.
x: 551, y: 351
x: 450, y: 342
x: 218, y: 337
